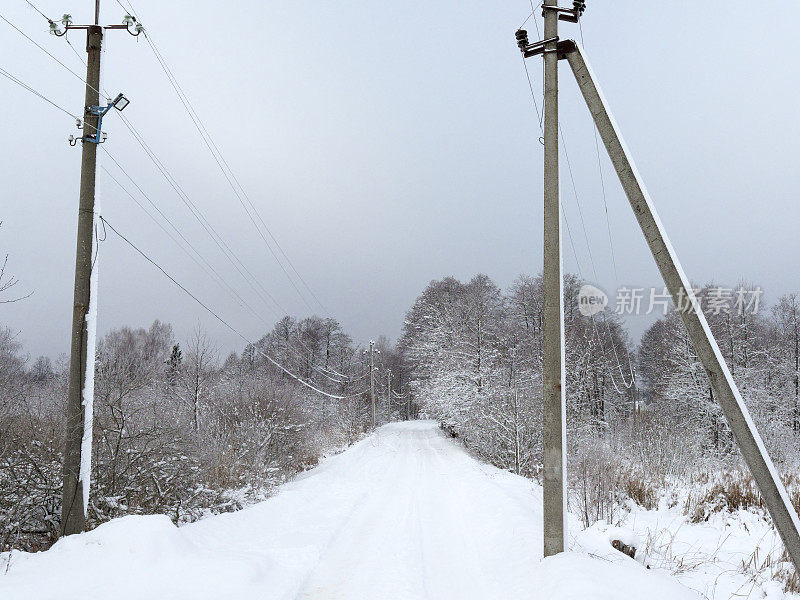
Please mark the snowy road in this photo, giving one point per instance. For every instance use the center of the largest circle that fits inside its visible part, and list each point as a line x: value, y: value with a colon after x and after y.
x: 425, y: 521
x: 404, y: 514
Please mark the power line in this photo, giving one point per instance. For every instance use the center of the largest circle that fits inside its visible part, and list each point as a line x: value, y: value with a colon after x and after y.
x: 219, y: 159
x: 525, y: 64
x: 246, y: 274
x: 192, y: 207
x: 216, y: 237
x: 43, y: 49
x: 52, y: 24
x: 220, y: 319
x: 586, y: 237
x: 594, y: 270
x: 602, y: 184
x: 173, y: 183
x: 205, y: 265
x: 539, y: 117
x: 24, y: 85
x: 566, y: 155
x: 35, y: 43
x: 49, y: 20
x: 130, y: 127
x: 577, y: 202
x: 230, y: 176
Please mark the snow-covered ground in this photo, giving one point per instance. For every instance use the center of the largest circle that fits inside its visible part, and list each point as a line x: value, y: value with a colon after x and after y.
x: 404, y: 514
x: 731, y: 555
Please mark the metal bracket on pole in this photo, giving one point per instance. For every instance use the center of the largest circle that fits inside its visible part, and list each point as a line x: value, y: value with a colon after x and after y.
x: 98, y: 137
x: 571, y: 15
x: 129, y: 23
x: 528, y: 49
x: 531, y: 49
x: 738, y: 417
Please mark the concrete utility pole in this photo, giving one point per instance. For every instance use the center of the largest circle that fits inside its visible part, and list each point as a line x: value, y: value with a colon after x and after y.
x: 554, y: 413
x: 554, y: 398
x: 78, y: 419
x: 725, y: 389
x: 372, y: 379
x: 73, y: 518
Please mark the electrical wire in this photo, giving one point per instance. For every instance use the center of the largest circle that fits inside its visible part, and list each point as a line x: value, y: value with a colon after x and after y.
x: 602, y: 184
x: 29, y: 3
x: 221, y: 320
x: 43, y: 49
x: 25, y: 86
x: 591, y: 258
x: 224, y: 247
x: 202, y: 262
x: 30, y: 39
x: 627, y: 384
x: 220, y: 242
x: 540, y: 117
x: 577, y: 201
x: 208, y: 140
x: 252, y: 281
x: 228, y: 173
x: 215, y: 154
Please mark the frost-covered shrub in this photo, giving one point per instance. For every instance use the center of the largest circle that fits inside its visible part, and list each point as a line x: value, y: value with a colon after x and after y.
x: 602, y: 480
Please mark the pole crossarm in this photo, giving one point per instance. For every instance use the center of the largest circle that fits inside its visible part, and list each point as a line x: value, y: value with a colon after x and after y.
x: 727, y: 393
x: 571, y: 15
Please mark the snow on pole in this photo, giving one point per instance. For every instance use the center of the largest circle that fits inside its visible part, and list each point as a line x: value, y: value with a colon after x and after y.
x: 88, y: 382
x: 87, y: 393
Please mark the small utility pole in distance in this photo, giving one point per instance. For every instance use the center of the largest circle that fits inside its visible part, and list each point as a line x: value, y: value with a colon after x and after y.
x: 372, y: 379
x: 77, y: 454
x: 388, y: 395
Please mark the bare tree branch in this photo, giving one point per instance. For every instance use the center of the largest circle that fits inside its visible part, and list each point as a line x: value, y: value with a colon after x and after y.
x: 9, y: 283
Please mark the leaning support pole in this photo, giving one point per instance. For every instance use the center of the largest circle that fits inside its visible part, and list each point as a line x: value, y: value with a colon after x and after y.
x: 736, y: 413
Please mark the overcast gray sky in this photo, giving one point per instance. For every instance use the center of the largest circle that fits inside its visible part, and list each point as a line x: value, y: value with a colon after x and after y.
x: 388, y: 144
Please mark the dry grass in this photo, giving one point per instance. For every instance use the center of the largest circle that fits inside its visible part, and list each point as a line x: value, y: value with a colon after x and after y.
x: 640, y: 488
x: 731, y: 491
x: 602, y: 482
x: 772, y: 566
x: 736, y: 490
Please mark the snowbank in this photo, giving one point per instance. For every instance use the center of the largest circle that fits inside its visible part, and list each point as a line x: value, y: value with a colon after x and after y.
x: 577, y: 576
x: 731, y: 555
